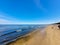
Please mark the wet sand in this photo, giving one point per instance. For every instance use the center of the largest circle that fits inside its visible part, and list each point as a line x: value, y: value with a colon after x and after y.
x: 33, y: 38
x: 48, y: 36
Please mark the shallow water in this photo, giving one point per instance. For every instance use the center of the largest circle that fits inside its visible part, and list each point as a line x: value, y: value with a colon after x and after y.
x: 11, y: 31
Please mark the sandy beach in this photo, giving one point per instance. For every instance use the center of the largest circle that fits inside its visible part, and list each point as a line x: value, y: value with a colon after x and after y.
x: 48, y: 36
x: 29, y: 40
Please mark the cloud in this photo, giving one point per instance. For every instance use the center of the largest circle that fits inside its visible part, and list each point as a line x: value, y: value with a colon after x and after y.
x: 7, y: 16
x: 4, y: 21
x: 40, y: 6
x: 7, y: 19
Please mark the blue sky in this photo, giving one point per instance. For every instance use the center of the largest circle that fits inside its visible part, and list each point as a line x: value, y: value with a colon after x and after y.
x: 29, y: 11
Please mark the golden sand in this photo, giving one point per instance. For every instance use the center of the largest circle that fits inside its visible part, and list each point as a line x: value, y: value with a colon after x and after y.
x: 49, y: 36
x: 31, y: 39
x: 53, y: 35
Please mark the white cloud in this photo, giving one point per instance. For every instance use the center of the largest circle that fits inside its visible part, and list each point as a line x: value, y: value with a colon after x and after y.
x: 9, y: 20
x: 6, y: 19
x: 40, y: 6
x: 3, y: 21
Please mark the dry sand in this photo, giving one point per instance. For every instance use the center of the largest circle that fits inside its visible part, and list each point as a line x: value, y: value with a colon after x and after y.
x: 48, y: 36
x: 52, y: 35
x: 33, y: 38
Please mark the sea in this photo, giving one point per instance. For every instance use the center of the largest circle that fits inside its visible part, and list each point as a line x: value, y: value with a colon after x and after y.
x: 4, y: 27
x: 11, y: 32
